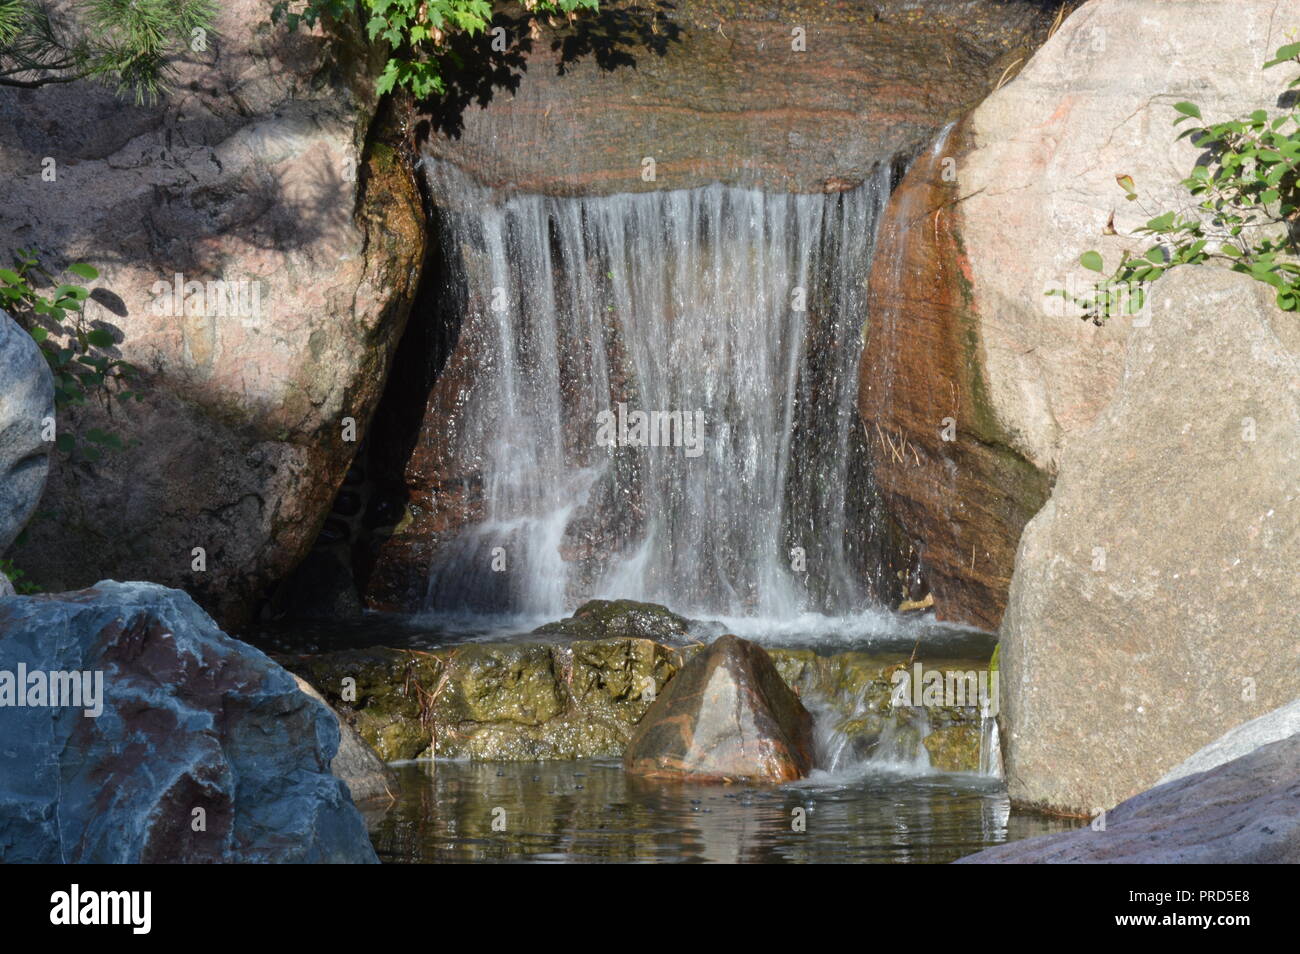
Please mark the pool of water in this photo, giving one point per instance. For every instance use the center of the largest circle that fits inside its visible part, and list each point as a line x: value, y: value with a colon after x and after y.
x: 590, y: 811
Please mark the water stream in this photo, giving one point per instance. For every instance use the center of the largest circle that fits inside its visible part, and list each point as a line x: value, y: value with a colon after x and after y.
x: 735, y: 314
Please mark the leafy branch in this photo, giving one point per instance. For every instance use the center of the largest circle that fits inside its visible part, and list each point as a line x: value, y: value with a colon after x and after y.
x: 77, y: 354
x: 1246, y: 214
x: 416, y: 31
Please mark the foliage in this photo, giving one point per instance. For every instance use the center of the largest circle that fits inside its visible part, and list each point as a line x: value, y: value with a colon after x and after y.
x: 416, y: 31
x: 77, y: 354
x: 22, y: 586
x: 126, y: 43
x: 1247, y: 214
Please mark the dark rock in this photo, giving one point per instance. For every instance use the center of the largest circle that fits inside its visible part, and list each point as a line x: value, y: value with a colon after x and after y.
x: 618, y: 619
x: 727, y: 715
x: 191, y: 719
x: 1244, y: 812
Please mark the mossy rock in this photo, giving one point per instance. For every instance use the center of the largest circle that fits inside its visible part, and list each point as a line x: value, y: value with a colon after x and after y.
x: 954, y: 748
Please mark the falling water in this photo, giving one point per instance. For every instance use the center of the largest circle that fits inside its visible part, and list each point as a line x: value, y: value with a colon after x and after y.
x: 737, y: 308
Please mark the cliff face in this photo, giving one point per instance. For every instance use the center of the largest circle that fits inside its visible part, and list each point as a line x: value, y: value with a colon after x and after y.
x: 962, y: 330
x: 945, y: 467
x: 802, y: 97
x: 296, y: 256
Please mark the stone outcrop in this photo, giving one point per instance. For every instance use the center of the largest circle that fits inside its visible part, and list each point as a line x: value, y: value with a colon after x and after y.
x: 798, y: 96
x: 355, y: 763
x: 728, y: 715
x: 962, y: 340
x: 1246, y: 738
x: 254, y: 179
x: 1243, y: 812
x: 198, y: 748
x: 1153, y: 602
x: 578, y: 689
x: 501, y: 702
x: 26, y: 401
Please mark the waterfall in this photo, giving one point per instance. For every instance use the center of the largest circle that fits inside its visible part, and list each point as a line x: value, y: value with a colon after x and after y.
x: 736, y: 314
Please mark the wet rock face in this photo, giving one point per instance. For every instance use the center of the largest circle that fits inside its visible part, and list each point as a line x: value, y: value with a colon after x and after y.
x: 1164, y: 565
x: 249, y: 180
x: 728, y: 715
x: 191, y: 719
x: 1243, y: 812
x: 803, y: 96
x: 26, y: 400
x: 960, y: 337
x: 576, y: 689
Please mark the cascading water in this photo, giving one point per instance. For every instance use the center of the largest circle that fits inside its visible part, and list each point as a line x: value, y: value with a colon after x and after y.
x: 736, y: 313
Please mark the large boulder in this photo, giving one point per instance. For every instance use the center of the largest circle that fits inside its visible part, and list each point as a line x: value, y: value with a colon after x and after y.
x: 254, y: 178
x: 963, y: 342
x: 26, y: 401
x: 792, y: 96
x: 1243, y: 812
x: 728, y: 715
x: 186, y: 746
x: 1161, y: 574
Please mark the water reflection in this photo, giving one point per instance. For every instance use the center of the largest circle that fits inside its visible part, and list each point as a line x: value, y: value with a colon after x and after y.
x: 589, y: 811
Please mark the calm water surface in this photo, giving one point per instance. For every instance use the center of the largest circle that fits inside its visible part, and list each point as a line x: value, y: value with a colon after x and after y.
x: 589, y: 811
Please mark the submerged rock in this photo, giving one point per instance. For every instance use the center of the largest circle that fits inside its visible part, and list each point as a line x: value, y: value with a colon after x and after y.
x: 355, y: 763
x: 728, y: 715
x: 1243, y: 812
x: 204, y: 751
x: 26, y: 400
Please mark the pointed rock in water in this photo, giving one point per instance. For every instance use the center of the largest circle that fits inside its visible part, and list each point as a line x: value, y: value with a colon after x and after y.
x: 727, y: 715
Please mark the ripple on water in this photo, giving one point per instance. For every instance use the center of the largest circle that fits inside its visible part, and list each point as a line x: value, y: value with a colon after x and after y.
x: 590, y: 811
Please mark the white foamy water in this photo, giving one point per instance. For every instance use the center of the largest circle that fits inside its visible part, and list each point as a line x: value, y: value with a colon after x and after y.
x: 738, y: 307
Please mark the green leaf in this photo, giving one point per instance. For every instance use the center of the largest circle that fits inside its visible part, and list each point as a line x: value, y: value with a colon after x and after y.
x: 82, y: 270
x: 1188, y: 109
x: 1091, y: 261
x: 100, y: 338
x: 1284, y: 54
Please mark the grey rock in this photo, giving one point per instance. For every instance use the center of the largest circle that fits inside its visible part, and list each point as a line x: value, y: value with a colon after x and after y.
x: 1279, y: 724
x: 250, y: 181
x: 355, y: 764
x: 26, y: 400
x: 1243, y: 812
x: 6, y: 587
x: 190, y: 719
x: 1153, y: 603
